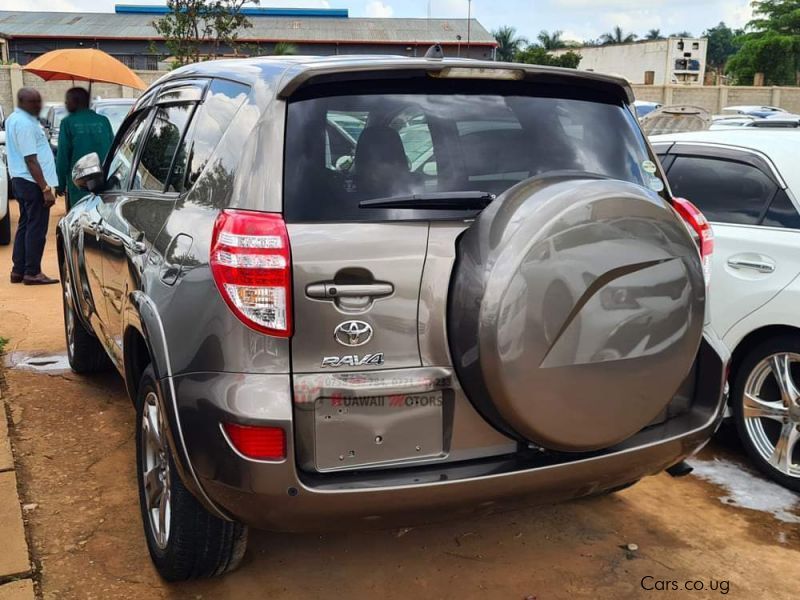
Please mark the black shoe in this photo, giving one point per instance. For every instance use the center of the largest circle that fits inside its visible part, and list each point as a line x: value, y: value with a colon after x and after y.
x: 16, y: 277
x: 40, y: 279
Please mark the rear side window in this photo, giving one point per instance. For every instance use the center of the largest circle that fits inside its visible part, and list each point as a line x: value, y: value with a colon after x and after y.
x: 164, y: 143
x: 782, y: 212
x: 725, y: 191
x: 347, y: 147
x: 222, y: 101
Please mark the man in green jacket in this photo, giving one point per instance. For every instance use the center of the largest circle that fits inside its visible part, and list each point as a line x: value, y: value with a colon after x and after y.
x: 82, y: 132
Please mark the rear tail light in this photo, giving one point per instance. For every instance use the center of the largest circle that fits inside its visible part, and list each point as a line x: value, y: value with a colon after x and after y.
x: 259, y: 443
x: 251, y: 265
x: 701, y: 227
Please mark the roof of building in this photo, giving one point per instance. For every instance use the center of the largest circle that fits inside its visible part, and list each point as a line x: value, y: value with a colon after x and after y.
x: 305, y: 29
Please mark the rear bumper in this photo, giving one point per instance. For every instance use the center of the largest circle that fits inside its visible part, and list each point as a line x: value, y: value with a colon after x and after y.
x: 279, y: 496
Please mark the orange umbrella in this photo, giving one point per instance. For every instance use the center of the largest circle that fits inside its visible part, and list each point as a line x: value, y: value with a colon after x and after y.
x: 84, y: 64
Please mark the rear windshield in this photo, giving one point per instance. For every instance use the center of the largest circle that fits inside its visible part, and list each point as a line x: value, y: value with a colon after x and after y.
x: 347, y: 147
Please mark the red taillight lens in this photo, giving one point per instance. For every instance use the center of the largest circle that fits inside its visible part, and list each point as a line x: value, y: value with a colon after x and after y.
x: 259, y: 443
x: 700, y: 225
x: 251, y: 264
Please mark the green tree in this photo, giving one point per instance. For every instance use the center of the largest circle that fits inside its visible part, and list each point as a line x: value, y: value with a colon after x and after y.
x: 551, y: 41
x: 536, y: 55
x: 681, y: 34
x: 284, y: 49
x: 508, y: 43
x: 654, y: 34
x: 198, y: 29
x: 771, y: 44
x: 722, y: 44
x: 617, y: 36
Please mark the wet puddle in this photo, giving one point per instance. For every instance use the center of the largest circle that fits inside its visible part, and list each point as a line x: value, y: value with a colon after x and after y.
x: 44, y: 363
x: 747, y: 489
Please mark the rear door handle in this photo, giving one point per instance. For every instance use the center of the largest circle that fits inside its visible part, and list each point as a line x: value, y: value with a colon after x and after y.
x: 753, y: 265
x: 329, y: 290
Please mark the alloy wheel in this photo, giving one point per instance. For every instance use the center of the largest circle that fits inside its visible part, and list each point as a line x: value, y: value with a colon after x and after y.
x: 155, y: 470
x: 69, y: 310
x: 771, y: 411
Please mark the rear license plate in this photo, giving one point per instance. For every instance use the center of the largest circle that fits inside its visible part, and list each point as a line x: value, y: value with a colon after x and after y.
x: 368, y: 432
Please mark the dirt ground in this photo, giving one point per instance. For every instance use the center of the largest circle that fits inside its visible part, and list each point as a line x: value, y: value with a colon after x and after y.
x: 73, y: 439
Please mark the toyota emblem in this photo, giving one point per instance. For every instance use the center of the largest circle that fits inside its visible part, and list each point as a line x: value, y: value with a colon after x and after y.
x: 353, y: 333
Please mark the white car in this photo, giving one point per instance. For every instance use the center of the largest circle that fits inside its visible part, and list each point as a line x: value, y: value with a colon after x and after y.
x: 747, y: 183
x: 754, y: 110
x: 729, y: 121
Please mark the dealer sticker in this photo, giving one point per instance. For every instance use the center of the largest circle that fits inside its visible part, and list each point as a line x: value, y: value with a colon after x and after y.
x: 650, y: 167
x: 656, y: 184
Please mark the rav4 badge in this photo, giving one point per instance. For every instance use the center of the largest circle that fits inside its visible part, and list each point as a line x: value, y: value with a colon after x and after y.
x: 353, y: 360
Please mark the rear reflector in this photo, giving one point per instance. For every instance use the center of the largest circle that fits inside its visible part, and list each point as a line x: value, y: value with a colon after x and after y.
x: 701, y: 227
x: 251, y: 265
x: 259, y: 443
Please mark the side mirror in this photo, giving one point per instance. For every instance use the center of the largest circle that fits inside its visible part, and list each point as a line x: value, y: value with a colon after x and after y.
x: 87, y: 173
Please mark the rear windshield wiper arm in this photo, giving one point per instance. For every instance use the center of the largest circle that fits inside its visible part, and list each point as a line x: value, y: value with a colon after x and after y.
x: 472, y: 200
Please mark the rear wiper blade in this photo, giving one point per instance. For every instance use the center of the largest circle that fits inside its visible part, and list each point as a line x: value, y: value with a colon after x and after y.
x: 471, y: 200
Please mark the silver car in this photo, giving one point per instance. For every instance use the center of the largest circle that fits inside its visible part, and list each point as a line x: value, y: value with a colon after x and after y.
x: 362, y: 290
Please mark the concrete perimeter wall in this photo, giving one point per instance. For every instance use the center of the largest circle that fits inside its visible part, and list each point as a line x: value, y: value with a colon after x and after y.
x: 12, y: 77
x: 715, y: 98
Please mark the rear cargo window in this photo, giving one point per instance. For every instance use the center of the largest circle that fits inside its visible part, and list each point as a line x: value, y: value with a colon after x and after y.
x: 345, y: 148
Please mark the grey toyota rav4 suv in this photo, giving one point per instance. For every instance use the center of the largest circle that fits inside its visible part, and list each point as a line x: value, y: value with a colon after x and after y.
x: 363, y: 289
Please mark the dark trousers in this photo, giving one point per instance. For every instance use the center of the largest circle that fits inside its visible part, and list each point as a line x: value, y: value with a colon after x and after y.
x: 31, y: 236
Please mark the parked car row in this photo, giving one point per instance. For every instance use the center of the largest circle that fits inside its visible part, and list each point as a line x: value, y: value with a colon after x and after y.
x: 657, y: 119
x: 114, y: 109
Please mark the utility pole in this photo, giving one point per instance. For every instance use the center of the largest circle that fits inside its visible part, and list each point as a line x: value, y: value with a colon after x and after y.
x: 469, y: 25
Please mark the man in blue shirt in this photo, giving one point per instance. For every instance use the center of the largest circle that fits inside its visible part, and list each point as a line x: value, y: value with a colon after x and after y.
x: 33, y: 177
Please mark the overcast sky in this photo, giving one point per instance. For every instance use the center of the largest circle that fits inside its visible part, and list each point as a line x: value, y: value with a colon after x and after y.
x: 579, y: 19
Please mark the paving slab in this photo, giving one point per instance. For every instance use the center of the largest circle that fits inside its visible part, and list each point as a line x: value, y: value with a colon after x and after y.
x: 14, y: 557
x: 17, y: 590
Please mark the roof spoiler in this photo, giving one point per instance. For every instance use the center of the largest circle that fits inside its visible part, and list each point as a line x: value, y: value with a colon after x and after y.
x: 298, y: 75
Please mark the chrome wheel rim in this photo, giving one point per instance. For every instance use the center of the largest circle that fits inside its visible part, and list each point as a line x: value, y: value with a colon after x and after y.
x: 69, y: 314
x: 155, y: 470
x: 771, y: 411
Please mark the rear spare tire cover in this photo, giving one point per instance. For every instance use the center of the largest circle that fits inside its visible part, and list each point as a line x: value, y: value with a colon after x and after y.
x: 576, y: 310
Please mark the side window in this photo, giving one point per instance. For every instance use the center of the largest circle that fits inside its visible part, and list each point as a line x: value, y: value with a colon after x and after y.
x: 223, y: 100
x: 122, y: 156
x: 726, y: 191
x: 343, y: 128
x: 163, y: 143
x: 782, y: 212
x: 412, y: 126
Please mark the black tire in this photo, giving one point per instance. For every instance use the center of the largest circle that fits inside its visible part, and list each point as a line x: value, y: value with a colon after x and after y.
x: 84, y: 351
x: 197, y: 544
x: 751, y: 362
x: 5, y: 229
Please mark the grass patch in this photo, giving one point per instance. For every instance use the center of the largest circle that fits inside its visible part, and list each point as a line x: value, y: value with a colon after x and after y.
x: 3, y: 342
